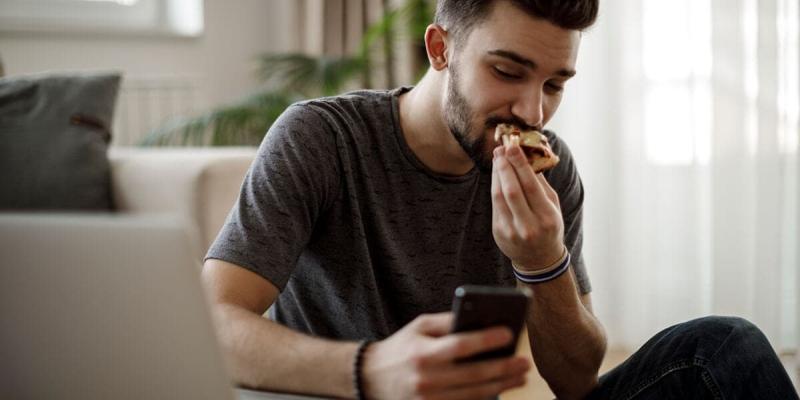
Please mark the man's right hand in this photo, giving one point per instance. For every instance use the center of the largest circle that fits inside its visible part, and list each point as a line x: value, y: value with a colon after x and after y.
x: 419, y: 362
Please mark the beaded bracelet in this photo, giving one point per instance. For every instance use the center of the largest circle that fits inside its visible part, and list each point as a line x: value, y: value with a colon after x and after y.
x: 358, y: 362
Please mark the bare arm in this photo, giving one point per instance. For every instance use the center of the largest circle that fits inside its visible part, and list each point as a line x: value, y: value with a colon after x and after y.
x: 417, y: 361
x: 264, y: 354
x: 568, y: 343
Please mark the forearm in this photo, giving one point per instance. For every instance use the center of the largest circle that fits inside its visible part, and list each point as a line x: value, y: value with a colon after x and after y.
x: 568, y: 343
x: 266, y: 355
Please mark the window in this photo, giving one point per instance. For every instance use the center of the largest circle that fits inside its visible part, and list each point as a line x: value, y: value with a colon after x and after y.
x: 677, y: 70
x: 160, y: 17
x: 677, y: 63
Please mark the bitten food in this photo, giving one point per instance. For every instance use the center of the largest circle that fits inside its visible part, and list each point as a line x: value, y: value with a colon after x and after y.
x: 534, y: 144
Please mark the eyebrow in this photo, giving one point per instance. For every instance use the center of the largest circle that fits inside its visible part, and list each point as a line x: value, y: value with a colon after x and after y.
x: 567, y: 73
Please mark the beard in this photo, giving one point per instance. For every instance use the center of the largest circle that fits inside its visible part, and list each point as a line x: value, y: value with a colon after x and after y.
x: 458, y: 117
x: 471, y: 136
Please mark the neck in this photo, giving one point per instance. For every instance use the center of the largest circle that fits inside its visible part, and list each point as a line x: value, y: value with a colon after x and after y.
x: 425, y: 129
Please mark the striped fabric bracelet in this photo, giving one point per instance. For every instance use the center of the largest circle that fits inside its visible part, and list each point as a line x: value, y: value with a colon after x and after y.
x: 548, y: 275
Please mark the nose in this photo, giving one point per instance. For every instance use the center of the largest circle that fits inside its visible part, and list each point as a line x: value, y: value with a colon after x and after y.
x: 529, y: 108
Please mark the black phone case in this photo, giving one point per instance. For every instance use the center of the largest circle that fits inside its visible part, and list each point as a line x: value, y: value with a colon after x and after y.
x: 480, y: 307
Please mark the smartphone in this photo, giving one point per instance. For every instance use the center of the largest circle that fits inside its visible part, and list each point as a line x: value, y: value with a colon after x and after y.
x: 480, y: 307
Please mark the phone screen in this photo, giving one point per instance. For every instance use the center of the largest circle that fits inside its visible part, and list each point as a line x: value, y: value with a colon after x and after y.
x: 480, y: 307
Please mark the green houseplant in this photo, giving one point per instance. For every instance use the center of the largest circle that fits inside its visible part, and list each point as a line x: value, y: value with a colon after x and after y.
x: 287, y: 78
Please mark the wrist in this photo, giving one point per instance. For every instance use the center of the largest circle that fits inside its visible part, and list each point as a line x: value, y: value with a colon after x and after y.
x: 359, y: 387
x: 546, y: 274
x: 541, y: 263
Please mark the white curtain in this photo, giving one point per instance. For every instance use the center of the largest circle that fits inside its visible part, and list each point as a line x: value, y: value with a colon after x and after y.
x: 684, y: 122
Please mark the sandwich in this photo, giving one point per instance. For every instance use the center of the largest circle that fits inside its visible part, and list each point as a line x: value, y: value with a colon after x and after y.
x: 534, y: 144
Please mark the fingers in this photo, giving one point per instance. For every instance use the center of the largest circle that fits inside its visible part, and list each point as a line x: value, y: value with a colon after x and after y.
x: 500, y: 211
x: 518, y: 193
x: 455, y: 346
x: 483, y: 391
x: 446, y: 347
x: 513, y: 194
x: 549, y: 191
x: 419, y: 361
x: 475, y: 373
x: 435, y: 325
x: 526, y: 218
x: 528, y: 180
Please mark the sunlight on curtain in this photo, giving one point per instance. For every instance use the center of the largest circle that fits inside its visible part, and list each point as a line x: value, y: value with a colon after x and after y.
x: 788, y: 27
x: 709, y: 174
x: 676, y: 57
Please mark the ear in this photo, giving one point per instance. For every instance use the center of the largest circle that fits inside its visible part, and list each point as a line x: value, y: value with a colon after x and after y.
x: 436, y: 46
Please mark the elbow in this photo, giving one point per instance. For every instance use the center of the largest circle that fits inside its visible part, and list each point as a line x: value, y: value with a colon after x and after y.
x: 578, y: 384
x: 231, y: 330
x: 575, y: 390
x: 584, y: 372
x: 595, y: 352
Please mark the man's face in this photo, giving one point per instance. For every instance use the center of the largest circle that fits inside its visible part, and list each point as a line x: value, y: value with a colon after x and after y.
x: 511, y: 68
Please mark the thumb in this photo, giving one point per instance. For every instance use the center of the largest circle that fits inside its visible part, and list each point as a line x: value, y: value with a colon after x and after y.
x: 435, y: 325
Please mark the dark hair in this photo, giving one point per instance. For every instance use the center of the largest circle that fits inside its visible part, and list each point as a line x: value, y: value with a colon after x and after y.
x: 460, y: 16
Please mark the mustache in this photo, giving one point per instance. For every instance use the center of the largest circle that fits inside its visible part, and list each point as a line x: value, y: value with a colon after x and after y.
x: 493, y: 121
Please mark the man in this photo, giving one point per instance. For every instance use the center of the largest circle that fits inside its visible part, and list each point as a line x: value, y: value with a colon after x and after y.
x: 362, y: 213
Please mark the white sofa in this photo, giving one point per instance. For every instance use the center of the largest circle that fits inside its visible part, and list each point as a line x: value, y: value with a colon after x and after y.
x: 197, y: 184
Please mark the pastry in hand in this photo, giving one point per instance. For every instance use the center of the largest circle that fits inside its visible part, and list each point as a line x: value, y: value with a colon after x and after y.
x: 534, y: 144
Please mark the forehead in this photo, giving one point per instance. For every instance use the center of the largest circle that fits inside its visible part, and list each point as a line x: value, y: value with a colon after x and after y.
x: 512, y: 29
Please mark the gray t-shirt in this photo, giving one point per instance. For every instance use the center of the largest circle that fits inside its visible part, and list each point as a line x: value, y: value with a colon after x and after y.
x: 357, y: 233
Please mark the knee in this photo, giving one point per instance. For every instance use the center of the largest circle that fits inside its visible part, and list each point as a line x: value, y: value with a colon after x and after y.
x: 730, y: 332
x: 725, y: 324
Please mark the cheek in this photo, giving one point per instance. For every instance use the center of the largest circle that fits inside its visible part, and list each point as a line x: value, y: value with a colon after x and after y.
x: 549, y: 108
x: 494, y: 100
x: 486, y: 95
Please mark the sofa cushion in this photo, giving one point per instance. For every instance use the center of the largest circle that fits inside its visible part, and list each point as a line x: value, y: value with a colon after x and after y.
x: 200, y: 184
x: 55, y: 131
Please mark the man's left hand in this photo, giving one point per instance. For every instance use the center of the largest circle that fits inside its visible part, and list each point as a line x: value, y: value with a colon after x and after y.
x: 526, y: 215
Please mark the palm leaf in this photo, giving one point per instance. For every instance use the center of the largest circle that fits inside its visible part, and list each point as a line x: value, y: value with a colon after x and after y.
x: 414, y: 16
x: 290, y: 77
x: 311, y: 76
x: 244, y: 123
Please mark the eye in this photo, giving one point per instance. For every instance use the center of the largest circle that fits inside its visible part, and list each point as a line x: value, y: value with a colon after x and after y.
x: 552, y: 87
x: 505, y: 75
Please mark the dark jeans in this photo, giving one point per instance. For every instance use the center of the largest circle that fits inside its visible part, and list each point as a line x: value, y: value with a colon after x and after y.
x: 707, y: 358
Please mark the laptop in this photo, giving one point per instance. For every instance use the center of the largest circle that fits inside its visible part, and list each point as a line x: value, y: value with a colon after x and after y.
x: 106, y: 306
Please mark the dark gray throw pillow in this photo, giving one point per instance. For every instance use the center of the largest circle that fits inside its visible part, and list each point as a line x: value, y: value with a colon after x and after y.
x: 54, y: 136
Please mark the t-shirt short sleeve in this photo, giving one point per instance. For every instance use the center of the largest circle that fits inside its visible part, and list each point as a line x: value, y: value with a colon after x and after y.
x: 292, y: 180
x: 567, y: 183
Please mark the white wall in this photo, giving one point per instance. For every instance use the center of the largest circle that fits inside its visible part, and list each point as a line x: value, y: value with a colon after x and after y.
x: 220, y: 62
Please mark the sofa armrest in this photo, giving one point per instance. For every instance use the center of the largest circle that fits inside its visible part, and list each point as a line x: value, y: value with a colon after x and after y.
x: 198, y: 184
